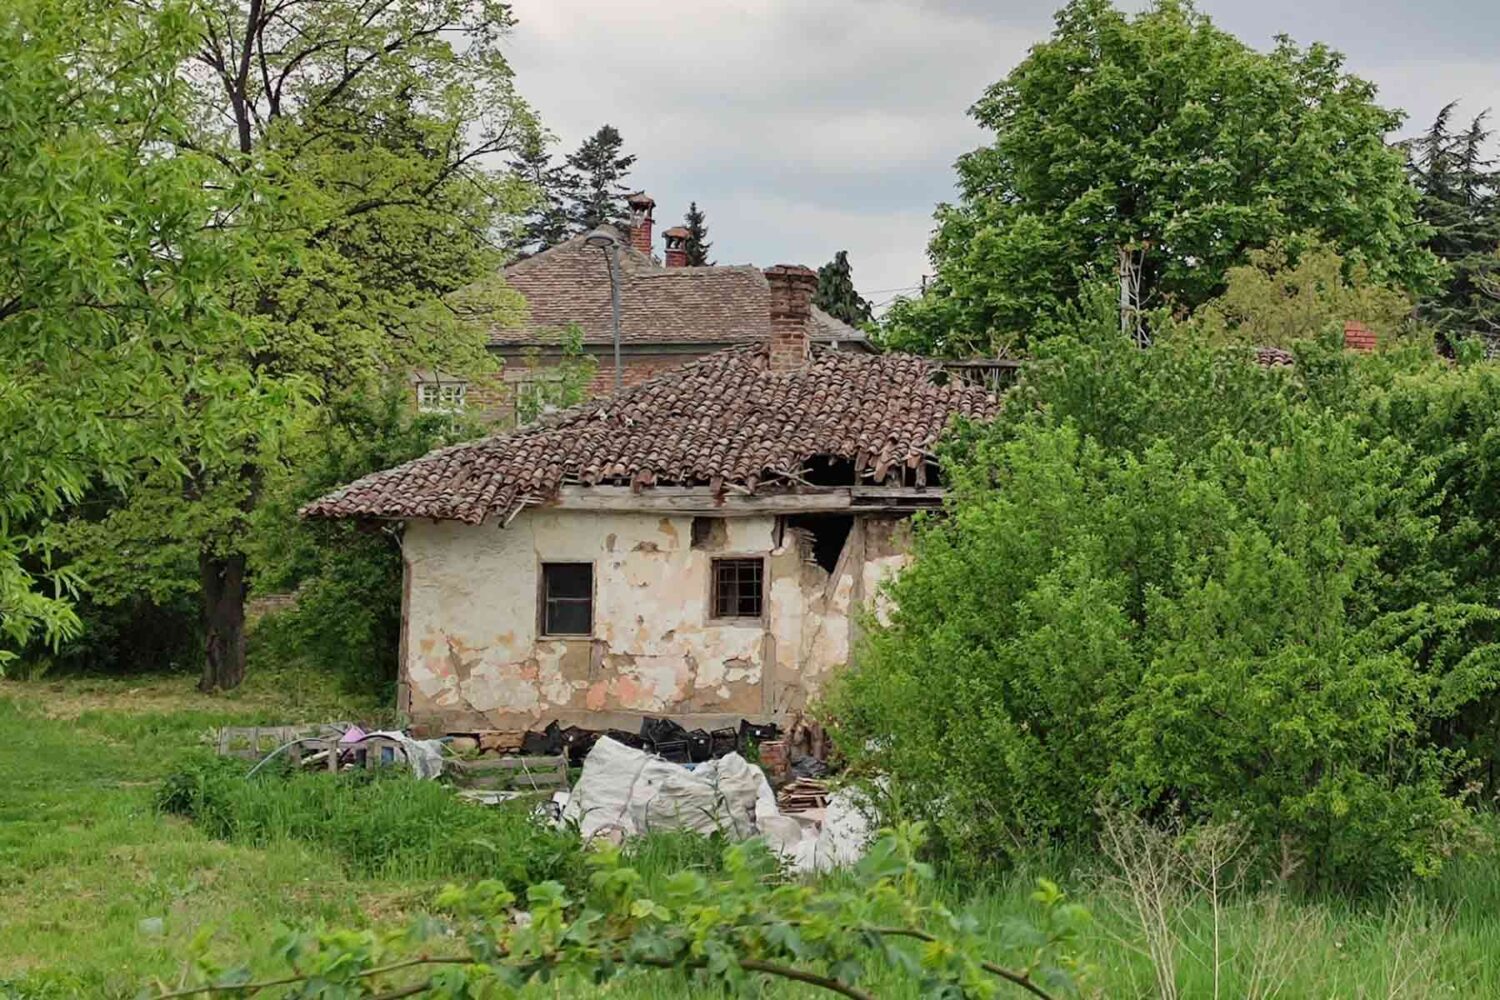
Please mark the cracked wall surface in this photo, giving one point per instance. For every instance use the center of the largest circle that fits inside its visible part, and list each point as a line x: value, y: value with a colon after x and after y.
x: 474, y: 658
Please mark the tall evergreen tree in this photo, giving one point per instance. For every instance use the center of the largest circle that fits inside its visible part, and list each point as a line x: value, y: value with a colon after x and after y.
x: 696, y: 245
x: 1460, y: 190
x: 836, y: 294
x: 595, y: 181
x: 546, y: 224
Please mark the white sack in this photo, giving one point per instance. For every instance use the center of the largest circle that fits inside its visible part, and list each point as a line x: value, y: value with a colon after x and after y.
x: 842, y: 841
x: 631, y: 792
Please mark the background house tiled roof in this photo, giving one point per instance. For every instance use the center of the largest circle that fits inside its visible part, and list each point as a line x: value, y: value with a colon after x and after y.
x: 719, y: 305
x: 723, y: 419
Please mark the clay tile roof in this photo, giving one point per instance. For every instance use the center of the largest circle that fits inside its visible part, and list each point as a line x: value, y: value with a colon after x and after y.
x: 723, y: 419
x: 719, y: 305
x: 1274, y: 357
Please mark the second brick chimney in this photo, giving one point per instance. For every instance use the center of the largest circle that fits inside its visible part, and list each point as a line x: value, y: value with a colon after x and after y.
x: 676, y: 240
x: 641, y: 205
x: 792, y: 287
x: 1358, y: 337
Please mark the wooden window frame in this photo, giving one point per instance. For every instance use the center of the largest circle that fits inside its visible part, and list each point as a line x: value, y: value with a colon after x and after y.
x: 541, y: 599
x: 713, y: 585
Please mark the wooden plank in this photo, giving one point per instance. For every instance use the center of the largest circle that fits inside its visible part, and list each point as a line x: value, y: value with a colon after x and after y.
x: 699, y: 500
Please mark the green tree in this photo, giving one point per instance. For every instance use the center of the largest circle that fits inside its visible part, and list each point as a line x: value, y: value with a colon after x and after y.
x: 547, y: 221
x: 1156, y: 150
x: 595, y: 181
x: 1275, y: 301
x: 696, y: 245
x: 1201, y: 587
x: 379, y: 233
x: 112, y: 253
x: 1460, y: 202
x: 836, y: 294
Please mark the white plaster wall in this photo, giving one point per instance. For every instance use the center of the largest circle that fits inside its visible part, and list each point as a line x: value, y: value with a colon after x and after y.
x: 474, y: 658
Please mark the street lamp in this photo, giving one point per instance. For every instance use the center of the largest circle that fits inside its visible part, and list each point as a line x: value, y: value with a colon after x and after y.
x: 606, y: 239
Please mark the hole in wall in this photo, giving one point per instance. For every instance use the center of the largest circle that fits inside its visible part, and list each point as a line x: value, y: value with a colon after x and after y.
x: 828, y: 534
x: 829, y: 470
x: 709, y: 533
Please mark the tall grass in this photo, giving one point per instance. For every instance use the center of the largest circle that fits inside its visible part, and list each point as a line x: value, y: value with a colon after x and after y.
x: 380, y: 824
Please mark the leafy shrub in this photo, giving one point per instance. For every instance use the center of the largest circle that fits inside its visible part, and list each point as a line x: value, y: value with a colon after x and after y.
x: 378, y: 822
x: 1183, y: 582
x: 733, y: 933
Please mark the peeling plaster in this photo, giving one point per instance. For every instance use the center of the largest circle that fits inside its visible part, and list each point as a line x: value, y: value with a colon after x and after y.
x: 476, y: 659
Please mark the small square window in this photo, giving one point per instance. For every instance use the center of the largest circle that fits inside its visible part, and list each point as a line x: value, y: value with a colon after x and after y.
x: 567, y: 598
x: 738, y: 588
x: 441, y: 397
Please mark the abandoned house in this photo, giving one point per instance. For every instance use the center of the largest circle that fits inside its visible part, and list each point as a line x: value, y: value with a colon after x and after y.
x: 695, y: 546
x: 670, y: 314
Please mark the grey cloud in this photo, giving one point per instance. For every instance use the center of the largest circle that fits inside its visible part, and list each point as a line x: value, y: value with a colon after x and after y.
x: 806, y: 127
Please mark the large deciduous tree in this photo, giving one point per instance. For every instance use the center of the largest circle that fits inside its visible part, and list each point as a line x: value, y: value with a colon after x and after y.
x: 370, y: 127
x: 1156, y: 150
x: 113, y: 248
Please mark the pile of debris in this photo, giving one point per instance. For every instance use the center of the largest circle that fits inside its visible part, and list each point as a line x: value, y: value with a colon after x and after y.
x: 664, y: 777
x: 663, y: 737
x: 331, y: 747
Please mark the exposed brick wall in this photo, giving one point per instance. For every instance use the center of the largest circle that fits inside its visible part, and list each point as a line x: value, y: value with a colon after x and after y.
x: 637, y: 368
x: 1358, y: 337
x: 792, y: 287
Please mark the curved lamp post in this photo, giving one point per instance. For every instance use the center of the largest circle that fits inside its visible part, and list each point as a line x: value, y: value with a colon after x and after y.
x: 604, y: 238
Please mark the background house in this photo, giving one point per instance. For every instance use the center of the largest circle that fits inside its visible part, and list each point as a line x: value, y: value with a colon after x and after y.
x: 696, y: 546
x: 670, y: 314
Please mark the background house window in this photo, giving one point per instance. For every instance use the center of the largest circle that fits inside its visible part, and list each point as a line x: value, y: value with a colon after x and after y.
x: 531, y: 396
x: 440, y: 397
x: 567, y: 598
x: 738, y: 588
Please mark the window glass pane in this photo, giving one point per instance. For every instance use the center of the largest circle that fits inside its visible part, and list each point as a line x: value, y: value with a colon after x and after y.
x: 569, y: 618
x: 737, y: 588
x: 568, y: 598
x: 569, y: 579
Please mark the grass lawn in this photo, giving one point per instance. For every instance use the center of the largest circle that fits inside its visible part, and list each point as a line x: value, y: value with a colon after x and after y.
x: 99, y: 892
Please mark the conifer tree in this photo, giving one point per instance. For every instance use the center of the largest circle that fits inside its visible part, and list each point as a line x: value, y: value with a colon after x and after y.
x: 595, y: 181
x: 546, y: 224
x: 836, y: 294
x: 696, y: 245
x: 1460, y: 200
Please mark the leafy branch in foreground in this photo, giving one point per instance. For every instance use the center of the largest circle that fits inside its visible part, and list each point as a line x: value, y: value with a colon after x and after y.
x: 732, y: 930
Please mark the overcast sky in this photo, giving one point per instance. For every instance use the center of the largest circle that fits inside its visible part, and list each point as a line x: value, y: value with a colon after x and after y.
x: 803, y: 127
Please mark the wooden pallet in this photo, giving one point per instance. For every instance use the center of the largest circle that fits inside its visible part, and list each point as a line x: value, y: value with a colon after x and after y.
x: 254, y: 742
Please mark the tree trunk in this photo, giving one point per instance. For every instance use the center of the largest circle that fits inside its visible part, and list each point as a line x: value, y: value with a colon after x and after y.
x: 223, y: 579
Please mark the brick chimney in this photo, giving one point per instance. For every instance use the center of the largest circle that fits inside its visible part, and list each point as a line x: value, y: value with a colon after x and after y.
x: 792, y: 287
x: 676, y: 239
x: 1358, y: 337
x: 641, y: 205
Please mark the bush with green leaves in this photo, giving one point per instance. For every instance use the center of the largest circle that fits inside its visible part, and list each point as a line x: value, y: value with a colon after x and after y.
x: 1187, y: 583
x: 732, y: 932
